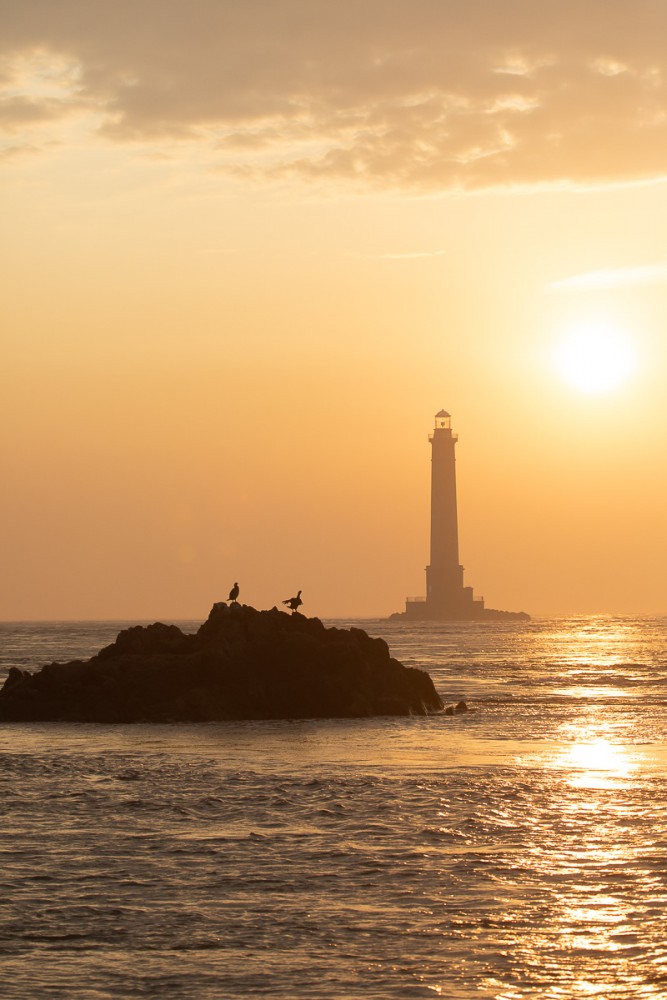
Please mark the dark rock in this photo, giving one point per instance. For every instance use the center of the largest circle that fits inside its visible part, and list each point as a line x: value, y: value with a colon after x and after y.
x: 494, y: 615
x: 241, y: 664
x: 458, y: 708
x: 15, y: 676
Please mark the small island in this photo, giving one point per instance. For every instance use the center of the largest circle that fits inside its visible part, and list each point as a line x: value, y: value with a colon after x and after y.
x: 241, y: 664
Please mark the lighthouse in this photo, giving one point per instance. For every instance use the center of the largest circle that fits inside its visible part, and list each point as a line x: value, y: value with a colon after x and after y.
x: 447, y: 600
x: 446, y: 597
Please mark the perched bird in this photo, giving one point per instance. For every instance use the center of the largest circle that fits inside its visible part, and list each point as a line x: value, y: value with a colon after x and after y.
x: 294, y: 602
x: 234, y: 592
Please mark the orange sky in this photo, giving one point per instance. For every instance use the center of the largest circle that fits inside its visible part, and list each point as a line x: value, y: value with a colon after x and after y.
x: 250, y: 249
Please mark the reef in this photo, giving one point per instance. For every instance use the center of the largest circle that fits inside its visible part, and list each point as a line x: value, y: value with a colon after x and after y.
x: 493, y: 615
x: 241, y: 664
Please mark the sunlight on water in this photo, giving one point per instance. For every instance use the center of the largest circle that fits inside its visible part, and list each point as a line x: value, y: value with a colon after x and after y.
x: 602, y: 642
x: 589, y: 693
x: 596, y: 763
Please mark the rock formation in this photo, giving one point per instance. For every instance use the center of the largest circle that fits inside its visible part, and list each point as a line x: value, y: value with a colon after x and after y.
x: 240, y: 664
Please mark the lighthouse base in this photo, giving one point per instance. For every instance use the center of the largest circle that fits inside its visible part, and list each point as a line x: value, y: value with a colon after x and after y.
x: 420, y: 609
x: 450, y: 611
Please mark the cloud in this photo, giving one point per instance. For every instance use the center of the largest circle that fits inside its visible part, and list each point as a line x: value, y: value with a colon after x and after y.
x: 403, y: 94
x: 17, y: 112
x: 612, y: 277
x: 18, y: 151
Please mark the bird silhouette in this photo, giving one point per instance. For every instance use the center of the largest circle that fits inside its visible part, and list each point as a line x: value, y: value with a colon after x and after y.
x: 294, y: 602
x: 234, y: 592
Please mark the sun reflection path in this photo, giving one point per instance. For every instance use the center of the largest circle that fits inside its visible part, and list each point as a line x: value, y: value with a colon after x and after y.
x: 599, y: 642
x: 596, y: 763
x: 599, y: 658
x: 593, y: 851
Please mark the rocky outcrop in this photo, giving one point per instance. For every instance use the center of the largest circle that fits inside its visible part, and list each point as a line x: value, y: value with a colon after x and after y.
x: 241, y: 664
x: 458, y: 709
x: 493, y: 615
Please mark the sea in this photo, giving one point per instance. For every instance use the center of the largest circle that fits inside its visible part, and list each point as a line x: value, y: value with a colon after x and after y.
x: 517, y: 850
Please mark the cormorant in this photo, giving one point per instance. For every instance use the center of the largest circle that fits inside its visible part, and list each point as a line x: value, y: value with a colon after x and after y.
x: 234, y: 592
x: 294, y: 602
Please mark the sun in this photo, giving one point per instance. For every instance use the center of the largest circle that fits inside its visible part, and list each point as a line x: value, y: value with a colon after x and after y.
x: 595, y: 356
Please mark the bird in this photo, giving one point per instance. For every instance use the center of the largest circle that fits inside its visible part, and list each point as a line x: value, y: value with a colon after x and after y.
x: 234, y: 592
x: 294, y: 602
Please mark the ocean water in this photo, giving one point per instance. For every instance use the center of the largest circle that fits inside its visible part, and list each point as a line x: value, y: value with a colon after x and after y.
x: 516, y: 851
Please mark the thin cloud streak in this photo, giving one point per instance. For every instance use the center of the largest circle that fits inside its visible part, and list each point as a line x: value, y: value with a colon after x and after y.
x: 644, y: 274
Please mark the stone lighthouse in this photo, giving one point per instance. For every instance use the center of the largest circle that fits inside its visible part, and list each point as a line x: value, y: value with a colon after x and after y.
x: 447, y: 600
x: 446, y: 597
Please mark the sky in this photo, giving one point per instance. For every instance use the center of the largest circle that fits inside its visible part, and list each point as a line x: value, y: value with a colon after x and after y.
x: 249, y: 249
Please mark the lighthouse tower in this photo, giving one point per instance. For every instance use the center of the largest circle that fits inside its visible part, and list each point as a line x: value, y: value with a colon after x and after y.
x: 446, y: 597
